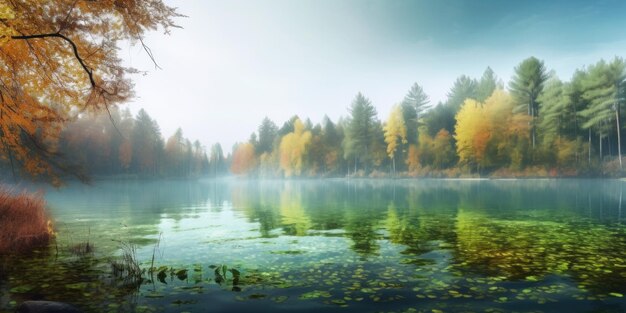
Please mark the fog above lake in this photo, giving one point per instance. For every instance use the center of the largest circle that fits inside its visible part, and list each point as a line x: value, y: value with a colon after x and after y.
x: 237, y: 61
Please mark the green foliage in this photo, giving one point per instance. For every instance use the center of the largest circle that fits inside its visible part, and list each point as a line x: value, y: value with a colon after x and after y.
x: 418, y: 99
x: 463, y: 88
x: 487, y: 84
x: 361, y: 131
x: 526, y: 86
x: 440, y: 117
x: 217, y: 162
x: 557, y: 111
x: 493, y: 131
x: 268, y: 132
x: 602, y: 87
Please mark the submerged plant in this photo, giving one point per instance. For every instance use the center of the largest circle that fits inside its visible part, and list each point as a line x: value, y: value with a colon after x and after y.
x: 82, y: 249
x: 127, y: 267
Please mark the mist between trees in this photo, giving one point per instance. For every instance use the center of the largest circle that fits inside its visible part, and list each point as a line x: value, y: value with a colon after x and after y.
x: 538, y: 125
x: 120, y: 145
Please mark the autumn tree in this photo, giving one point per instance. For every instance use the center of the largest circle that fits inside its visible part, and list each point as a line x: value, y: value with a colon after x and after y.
x: 443, y: 150
x: 489, y: 134
x: 412, y: 159
x: 442, y: 116
x: 243, y: 159
x: 395, y: 133
x: 292, y: 149
x: 60, y: 57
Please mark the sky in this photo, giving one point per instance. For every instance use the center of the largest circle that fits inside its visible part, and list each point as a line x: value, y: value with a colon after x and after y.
x: 234, y: 62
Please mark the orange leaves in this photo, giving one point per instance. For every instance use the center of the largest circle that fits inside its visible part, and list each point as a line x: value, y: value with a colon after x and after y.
x: 413, y: 160
x: 243, y: 159
x: 57, y: 57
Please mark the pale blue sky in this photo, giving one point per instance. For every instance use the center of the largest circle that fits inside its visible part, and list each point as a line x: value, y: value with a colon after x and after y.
x: 237, y: 61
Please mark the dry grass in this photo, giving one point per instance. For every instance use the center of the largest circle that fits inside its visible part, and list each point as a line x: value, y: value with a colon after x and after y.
x: 23, y: 221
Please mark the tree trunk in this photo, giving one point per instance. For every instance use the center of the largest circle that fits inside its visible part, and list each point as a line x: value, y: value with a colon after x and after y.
x: 589, y: 148
x: 619, y: 140
x: 600, y: 136
x: 532, y: 120
x: 619, y: 212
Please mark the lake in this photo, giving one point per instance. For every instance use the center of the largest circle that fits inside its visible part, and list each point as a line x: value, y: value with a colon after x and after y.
x: 333, y: 245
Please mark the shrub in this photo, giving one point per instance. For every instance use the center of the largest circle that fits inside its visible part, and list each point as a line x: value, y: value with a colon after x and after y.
x: 24, y: 224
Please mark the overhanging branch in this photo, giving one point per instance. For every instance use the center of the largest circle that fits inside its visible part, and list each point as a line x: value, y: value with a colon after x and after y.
x: 74, y: 48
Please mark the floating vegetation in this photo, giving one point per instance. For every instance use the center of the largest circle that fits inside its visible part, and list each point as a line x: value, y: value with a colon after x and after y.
x: 400, y: 257
x: 315, y: 294
x: 288, y: 252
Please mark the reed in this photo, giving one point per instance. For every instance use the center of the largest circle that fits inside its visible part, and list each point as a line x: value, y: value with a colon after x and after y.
x: 24, y: 224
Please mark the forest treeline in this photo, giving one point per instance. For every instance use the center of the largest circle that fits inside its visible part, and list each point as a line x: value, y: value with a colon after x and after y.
x: 118, y: 144
x: 539, y: 125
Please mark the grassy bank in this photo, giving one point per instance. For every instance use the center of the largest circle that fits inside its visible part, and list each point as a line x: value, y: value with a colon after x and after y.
x: 23, y: 221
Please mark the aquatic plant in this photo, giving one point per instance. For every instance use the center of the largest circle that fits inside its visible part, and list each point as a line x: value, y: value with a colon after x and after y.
x: 23, y: 220
x: 127, y: 267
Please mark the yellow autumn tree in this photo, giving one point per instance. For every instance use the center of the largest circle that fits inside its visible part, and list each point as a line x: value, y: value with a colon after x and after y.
x: 395, y: 130
x: 472, y: 132
x: 486, y: 133
x: 292, y: 149
x: 58, y: 58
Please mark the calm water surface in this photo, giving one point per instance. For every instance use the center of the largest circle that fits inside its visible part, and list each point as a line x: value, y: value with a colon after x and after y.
x: 334, y: 245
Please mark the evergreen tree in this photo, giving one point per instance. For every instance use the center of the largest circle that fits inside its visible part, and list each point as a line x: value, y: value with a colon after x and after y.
x: 526, y: 85
x: 361, y: 131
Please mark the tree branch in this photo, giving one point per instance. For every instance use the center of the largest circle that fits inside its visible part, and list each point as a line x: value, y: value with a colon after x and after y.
x: 74, y: 48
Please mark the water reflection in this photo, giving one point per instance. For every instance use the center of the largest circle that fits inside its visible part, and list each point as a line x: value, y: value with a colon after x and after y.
x: 504, y: 243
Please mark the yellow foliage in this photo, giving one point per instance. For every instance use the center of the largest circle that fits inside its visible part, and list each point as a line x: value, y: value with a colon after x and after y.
x: 292, y: 149
x: 394, y: 129
x: 479, y: 124
x: 472, y: 131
